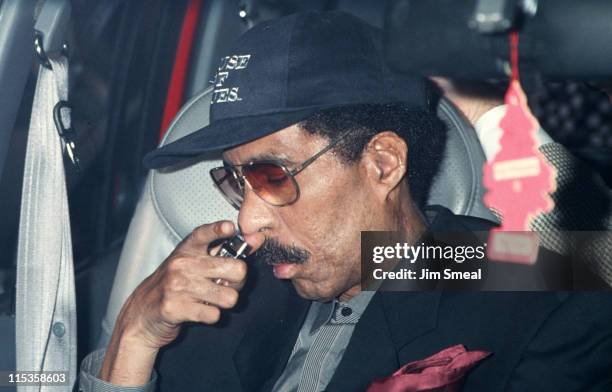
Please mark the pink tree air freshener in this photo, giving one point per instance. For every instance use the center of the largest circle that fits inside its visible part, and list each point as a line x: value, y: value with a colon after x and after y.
x: 518, y: 179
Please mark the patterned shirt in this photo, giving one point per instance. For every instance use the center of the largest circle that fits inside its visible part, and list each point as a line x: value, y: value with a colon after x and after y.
x: 320, y: 345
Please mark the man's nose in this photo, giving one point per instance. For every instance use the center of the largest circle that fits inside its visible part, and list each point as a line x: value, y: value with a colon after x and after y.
x: 255, y: 215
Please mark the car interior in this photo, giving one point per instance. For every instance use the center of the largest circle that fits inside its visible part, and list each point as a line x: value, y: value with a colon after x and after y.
x: 139, y: 76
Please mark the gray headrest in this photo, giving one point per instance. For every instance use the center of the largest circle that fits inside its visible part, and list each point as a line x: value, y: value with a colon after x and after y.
x: 458, y: 185
x: 186, y: 198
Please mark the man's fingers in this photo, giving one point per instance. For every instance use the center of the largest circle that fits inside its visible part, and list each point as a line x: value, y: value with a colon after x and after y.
x: 204, y: 313
x: 203, y: 235
x: 178, y: 293
x: 199, y: 268
x: 214, y: 294
x: 183, y: 272
x: 184, y: 309
x: 232, y: 270
x: 197, y: 277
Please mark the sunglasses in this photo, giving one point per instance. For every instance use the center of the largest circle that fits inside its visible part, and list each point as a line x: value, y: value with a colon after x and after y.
x: 272, y: 181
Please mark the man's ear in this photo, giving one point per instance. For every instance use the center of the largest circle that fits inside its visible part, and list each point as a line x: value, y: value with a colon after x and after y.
x: 385, y: 161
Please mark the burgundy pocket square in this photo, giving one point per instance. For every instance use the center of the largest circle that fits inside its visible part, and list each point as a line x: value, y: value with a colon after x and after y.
x: 441, y: 372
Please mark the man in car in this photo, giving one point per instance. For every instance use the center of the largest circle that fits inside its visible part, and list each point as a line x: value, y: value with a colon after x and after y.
x: 322, y: 141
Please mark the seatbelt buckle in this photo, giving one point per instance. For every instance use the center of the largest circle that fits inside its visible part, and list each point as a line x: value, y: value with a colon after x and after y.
x: 68, y: 134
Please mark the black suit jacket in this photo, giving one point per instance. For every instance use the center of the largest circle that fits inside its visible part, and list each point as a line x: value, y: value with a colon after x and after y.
x: 556, y: 341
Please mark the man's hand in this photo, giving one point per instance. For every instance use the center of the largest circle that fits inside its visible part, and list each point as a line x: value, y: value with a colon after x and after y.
x: 182, y: 289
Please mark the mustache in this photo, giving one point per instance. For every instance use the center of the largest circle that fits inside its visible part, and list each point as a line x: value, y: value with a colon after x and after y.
x: 273, y: 252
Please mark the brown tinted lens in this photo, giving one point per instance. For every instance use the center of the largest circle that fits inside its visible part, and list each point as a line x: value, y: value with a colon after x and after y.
x: 270, y: 182
x: 228, y: 185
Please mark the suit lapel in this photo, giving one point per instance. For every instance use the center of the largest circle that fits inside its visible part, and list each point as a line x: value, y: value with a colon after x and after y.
x: 265, y: 348
x: 391, y: 321
x: 410, y: 314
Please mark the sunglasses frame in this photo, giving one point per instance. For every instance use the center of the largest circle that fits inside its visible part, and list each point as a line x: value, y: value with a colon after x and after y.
x: 236, y: 171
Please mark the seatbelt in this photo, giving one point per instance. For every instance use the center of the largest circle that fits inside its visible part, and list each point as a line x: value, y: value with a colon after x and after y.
x: 45, y: 290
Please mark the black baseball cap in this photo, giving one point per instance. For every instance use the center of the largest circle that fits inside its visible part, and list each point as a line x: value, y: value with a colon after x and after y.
x: 281, y: 72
